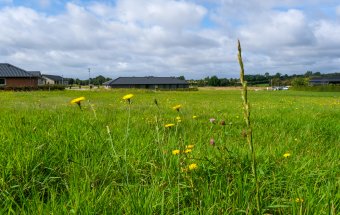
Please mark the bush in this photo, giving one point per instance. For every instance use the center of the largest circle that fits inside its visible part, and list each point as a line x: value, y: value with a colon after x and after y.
x: 27, y: 88
x: 179, y: 89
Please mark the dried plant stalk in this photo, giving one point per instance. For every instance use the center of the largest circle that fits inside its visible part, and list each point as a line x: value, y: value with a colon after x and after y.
x: 249, y: 133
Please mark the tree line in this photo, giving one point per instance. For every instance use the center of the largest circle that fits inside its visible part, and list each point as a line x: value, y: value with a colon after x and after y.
x: 266, y: 80
x: 99, y: 80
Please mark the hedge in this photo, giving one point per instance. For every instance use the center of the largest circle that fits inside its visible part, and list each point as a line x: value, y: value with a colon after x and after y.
x: 26, y: 88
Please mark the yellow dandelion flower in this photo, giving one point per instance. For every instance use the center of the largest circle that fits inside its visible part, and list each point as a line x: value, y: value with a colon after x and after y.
x: 77, y: 100
x: 176, y: 152
x: 286, y: 155
x: 190, y: 146
x: 192, y: 166
x: 127, y: 97
x: 187, y: 151
x: 299, y: 200
x: 178, y: 118
x: 194, y: 117
x: 169, y: 125
x: 177, y: 107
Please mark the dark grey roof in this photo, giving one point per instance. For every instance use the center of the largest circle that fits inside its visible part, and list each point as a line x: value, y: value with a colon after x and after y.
x: 107, y: 82
x: 10, y: 71
x: 325, y: 79
x: 35, y: 73
x: 145, y: 80
x: 53, y: 77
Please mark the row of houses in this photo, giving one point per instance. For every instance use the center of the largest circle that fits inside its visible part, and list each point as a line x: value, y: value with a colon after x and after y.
x: 12, y: 76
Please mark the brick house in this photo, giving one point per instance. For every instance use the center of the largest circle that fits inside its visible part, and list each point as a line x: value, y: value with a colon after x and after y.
x: 12, y: 76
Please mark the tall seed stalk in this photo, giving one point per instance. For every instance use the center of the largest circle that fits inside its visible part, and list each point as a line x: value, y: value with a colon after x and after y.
x: 249, y: 133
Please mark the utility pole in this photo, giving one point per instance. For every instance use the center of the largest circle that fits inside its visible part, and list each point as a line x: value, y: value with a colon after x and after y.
x: 89, y: 77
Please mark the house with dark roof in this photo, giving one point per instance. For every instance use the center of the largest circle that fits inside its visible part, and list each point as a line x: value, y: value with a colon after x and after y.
x: 147, y: 83
x: 38, y: 75
x: 53, y: 80
x: 324, y: 80
x: 12, y: 76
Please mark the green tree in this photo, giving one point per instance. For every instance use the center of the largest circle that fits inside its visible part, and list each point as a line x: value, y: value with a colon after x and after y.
x: 214, y: 81
x: 298, y: 82
x: 308, y: 73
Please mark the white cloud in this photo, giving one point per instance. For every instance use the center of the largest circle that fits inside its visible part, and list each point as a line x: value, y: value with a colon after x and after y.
x: 278, y: 29
x: 169, y: 14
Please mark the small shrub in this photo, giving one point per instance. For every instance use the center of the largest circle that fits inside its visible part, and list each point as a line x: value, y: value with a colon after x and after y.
x: 28, y: 88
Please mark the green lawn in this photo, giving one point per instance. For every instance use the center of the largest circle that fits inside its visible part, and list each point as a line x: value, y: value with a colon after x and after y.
x: 112, y: 157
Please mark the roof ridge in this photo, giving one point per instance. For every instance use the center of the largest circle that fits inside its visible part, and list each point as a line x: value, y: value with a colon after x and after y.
x: 23, y: 72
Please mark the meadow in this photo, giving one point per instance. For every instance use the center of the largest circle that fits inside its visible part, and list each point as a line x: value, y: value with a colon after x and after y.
x: 112, y: 156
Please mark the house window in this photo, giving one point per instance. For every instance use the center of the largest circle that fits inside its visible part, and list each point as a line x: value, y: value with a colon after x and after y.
x: 2, y: 81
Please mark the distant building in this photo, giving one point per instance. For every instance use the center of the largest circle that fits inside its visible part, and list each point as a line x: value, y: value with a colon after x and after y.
x: 38, y: 75
x: 53, y: 80
x: 324, y: 80
x: 12, y: 76
x: 147, y: 83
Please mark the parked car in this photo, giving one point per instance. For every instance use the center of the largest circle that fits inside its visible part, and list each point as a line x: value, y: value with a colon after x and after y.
x: 280, y: 88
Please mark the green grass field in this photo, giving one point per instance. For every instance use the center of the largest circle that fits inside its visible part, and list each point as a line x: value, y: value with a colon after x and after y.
x: 112, y: 157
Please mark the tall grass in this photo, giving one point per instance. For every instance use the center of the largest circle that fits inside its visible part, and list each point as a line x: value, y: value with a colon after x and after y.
x: 58, y: 159
x: 249, y: 132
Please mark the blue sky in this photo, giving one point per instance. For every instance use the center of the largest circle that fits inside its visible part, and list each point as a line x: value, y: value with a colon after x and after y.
x: 194, y: 38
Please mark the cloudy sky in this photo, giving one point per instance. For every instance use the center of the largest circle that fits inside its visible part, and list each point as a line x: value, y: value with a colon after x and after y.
x: 194, y: 38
